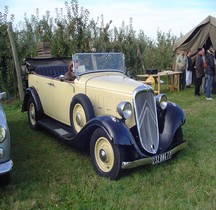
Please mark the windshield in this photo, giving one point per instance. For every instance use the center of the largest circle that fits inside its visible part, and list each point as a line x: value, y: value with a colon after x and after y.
x: 95, y: 62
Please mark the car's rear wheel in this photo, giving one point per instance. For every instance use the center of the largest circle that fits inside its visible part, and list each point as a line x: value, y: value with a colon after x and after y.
x: 32, y: 114
x: 81, y: 112
x: 106, y: 157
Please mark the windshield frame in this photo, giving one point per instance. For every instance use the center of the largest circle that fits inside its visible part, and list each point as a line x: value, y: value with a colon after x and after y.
x: 85, y: 63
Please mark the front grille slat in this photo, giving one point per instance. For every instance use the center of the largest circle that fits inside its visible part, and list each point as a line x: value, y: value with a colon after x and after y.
x: 146, y: 119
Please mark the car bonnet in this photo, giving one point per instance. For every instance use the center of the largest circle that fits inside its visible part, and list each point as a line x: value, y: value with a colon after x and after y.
x: 114, y: 82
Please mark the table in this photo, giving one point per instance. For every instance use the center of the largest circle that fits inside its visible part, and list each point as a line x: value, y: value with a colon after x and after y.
x: 172, y: 82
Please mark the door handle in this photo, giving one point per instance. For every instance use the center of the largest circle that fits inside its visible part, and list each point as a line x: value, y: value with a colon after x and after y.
x: 51, y: 84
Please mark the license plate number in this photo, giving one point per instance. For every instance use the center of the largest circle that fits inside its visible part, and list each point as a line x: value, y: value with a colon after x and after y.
x: 161, y: 158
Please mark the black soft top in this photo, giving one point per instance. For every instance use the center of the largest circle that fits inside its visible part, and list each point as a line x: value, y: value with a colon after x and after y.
x: 32, y: 63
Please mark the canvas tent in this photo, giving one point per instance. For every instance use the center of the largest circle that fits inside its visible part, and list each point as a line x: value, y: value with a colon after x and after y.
x: 203, y: 35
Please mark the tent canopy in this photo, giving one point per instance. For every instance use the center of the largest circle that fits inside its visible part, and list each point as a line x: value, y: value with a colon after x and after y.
x: 203, y: 35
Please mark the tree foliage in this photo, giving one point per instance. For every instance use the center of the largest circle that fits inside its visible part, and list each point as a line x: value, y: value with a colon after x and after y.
x: 72, y: 30
x: 7, y: 79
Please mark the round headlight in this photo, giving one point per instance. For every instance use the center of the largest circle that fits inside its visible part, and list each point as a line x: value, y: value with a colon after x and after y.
x: 161, y: 101
x: 2, y: 133
x: 124, y: 109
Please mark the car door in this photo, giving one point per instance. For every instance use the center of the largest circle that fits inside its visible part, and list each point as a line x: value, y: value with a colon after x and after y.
x: 62, y: 96
x: 45, y: 90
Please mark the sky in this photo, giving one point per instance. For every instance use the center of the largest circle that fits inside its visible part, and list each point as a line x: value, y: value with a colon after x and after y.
x: 150, y: 16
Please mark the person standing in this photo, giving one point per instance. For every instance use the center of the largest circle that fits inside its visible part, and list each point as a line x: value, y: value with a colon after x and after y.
x: 214, y: 79
x: 181, y: 65
x: 209, y: 72
x: 203, y: 86
x: 199, y: 70
x: 189, y: 69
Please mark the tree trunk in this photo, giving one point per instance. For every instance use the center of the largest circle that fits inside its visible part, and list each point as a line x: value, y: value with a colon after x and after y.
x: 16, y: 62
x: 141, y: 60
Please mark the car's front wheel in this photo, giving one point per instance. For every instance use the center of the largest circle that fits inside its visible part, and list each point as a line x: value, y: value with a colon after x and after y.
x: 32, y: 114
x: 106, y: 157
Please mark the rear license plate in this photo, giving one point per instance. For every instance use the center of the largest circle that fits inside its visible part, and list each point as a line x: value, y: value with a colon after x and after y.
x: 161, y: 158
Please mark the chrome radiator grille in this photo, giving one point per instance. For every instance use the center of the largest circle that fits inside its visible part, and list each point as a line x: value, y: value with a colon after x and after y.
x: 146, y: 119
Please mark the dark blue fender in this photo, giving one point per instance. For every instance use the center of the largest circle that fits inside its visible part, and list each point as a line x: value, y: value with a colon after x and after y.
x: 169, y: 121
x: 115, y: 129
x: 31, y: 92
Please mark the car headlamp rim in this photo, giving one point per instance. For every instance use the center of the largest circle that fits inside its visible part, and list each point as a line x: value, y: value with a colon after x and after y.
x: 124, y: 109
x: 161, y: 101
x: 2, y: 133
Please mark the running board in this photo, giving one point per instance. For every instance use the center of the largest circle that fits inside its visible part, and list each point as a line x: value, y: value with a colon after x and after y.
x: 60, y: 130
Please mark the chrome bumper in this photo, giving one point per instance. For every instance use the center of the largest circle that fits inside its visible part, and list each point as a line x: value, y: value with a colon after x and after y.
x: 6, y: 167
x: 149, y: 160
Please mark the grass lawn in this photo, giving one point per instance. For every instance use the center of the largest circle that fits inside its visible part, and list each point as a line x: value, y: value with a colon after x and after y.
x: 48, y: 174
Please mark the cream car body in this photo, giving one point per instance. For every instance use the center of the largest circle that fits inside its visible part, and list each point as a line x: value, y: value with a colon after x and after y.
x: 104, y: 97
x: 119, y: 119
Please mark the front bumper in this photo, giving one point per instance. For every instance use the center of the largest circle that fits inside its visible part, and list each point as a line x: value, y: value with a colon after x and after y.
x: 6, y: 167
x: 150, y: 160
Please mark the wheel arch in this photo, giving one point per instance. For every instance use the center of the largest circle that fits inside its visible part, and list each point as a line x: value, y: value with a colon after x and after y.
x: 113, y: 127
x: 31, y: 92
x: 85, y: 103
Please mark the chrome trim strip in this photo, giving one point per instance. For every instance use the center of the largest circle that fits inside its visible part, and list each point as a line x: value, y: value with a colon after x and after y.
x: 142, y: 88
x: 6, y: 167
x: 149, y: 160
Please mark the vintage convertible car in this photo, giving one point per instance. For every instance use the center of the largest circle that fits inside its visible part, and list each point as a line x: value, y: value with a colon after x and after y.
x: 6, y: 163
x: 119, y: 119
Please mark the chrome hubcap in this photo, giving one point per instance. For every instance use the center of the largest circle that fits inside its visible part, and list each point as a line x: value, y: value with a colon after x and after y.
x: 103, y: 155
x: 78, y: 119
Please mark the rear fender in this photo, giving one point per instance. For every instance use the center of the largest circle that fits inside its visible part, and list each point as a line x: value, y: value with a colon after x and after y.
x: 31, y: 92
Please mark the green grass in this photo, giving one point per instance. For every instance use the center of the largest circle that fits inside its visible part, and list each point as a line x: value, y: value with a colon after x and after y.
x: 48, y: 174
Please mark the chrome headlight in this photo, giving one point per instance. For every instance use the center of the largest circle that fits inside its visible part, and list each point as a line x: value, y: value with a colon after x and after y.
x: 2, y: 133
x: 161, y: 101
x: 124, y: 109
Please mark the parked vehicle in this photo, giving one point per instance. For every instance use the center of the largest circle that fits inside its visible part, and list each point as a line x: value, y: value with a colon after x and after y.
x: 119, y: 119
x: 6, y: 163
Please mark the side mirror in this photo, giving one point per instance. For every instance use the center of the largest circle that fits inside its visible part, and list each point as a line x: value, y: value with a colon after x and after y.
x: 62, y: 78
x: 3, y: 95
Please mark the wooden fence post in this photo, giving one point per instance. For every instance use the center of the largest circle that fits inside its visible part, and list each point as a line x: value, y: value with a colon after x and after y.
x: 16, y: 62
